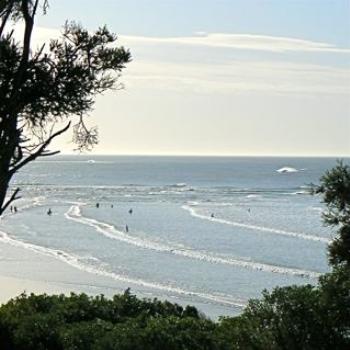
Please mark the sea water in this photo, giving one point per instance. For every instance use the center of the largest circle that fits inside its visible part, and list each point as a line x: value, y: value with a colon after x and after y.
x: 208, y: 231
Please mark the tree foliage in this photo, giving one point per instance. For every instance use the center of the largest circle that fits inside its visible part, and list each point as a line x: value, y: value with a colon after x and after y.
x: 335, y: 188
x: 43, y: 88
x: 296, y: 317
x: 82, y: 322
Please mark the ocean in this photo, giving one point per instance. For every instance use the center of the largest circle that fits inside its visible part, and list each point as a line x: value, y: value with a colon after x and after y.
x: 208, y: 231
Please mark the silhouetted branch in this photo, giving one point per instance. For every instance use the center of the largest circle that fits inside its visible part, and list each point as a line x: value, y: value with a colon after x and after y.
x: 6, y: 16
x: 10, y: 200
x: 40, y: 151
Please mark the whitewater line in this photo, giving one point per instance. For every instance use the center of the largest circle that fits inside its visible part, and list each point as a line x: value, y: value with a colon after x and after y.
x: 255, y: 227
x: 74, y: 262
x: 74, y: 213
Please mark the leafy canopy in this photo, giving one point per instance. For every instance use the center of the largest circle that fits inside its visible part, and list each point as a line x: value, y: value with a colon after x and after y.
x: 335, y: 189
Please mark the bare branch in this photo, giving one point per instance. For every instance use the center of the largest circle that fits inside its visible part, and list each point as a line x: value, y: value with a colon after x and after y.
x: 49, y: 153
x: 35, y: 8
x: 40, y: 151
x: 85, y: 138
x: 6, y: 17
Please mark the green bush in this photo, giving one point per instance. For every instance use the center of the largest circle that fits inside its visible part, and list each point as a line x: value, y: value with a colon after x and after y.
x: 82, y: 322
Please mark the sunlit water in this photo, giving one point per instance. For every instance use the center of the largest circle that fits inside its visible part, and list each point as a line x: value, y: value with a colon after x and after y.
x: 212, y: 232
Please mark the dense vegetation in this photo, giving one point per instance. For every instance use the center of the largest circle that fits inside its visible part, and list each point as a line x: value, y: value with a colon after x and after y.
x: 295, y: 317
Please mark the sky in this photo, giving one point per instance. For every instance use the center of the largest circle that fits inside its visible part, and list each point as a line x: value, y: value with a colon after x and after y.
x: 221, y: 77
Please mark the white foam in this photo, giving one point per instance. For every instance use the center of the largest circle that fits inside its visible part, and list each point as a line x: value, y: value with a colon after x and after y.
x: 301, y: 192
x: 72, y: 202
x: 74, y: 213
x: 75, y: 262
x: 287, y: 169
x: 213, y: 204
x: 193, y: 203
x: 180, y: 185
x: 193, y: 212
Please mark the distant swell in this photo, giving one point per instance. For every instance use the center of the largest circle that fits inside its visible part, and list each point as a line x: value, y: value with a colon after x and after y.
x: 111, y: 232
x: 193, y: 212
x: 76, y: 263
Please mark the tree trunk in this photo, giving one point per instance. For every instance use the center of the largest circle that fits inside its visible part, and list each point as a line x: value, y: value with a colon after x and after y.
x: 8, y: 142
x: 4, y: 184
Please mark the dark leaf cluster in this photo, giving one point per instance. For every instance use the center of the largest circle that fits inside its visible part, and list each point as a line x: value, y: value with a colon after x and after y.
x: 335, y: 190
x: 82, y: 322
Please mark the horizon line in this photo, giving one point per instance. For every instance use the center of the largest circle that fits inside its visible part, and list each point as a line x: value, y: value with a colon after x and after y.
x: 208, y: 155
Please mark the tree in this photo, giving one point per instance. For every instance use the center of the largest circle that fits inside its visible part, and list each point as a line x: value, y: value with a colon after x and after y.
x: 43, y: 88
x: 335, y: 188
x: 84, y: 322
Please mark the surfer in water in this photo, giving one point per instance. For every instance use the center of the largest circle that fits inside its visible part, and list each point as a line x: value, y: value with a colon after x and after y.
x: 212, y: 215
x: 49, y: 212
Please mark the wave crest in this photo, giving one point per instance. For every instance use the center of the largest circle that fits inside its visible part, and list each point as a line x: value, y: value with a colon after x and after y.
x: 74, y: 213
x: 77, y: 263
x: 194, y: 213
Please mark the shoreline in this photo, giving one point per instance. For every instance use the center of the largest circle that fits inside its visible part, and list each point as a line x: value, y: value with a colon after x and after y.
x: 22, y: 271
x: 25, y: 271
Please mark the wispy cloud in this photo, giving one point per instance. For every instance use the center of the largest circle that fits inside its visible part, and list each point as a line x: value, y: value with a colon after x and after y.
x: 241, y: 76
x: 282, y: 76
x: 220, y: 40
x: 242, y: 42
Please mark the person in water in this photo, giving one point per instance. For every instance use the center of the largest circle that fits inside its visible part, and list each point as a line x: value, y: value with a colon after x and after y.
x: 126, y: 228
x: 97, y: 205
x: 15, y: 209
x: 130, y: 211
x: 212, y: 215
x: 49, y: 212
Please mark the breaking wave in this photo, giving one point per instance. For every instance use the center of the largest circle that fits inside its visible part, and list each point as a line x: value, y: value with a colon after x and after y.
x: 194, y: 213
x: 287, y: 169
x: 76, y: 262
x: 110, y: 231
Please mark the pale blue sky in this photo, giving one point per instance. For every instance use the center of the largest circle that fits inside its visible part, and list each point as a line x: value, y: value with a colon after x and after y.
x: 318, y: 20
x: 224, y: 76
